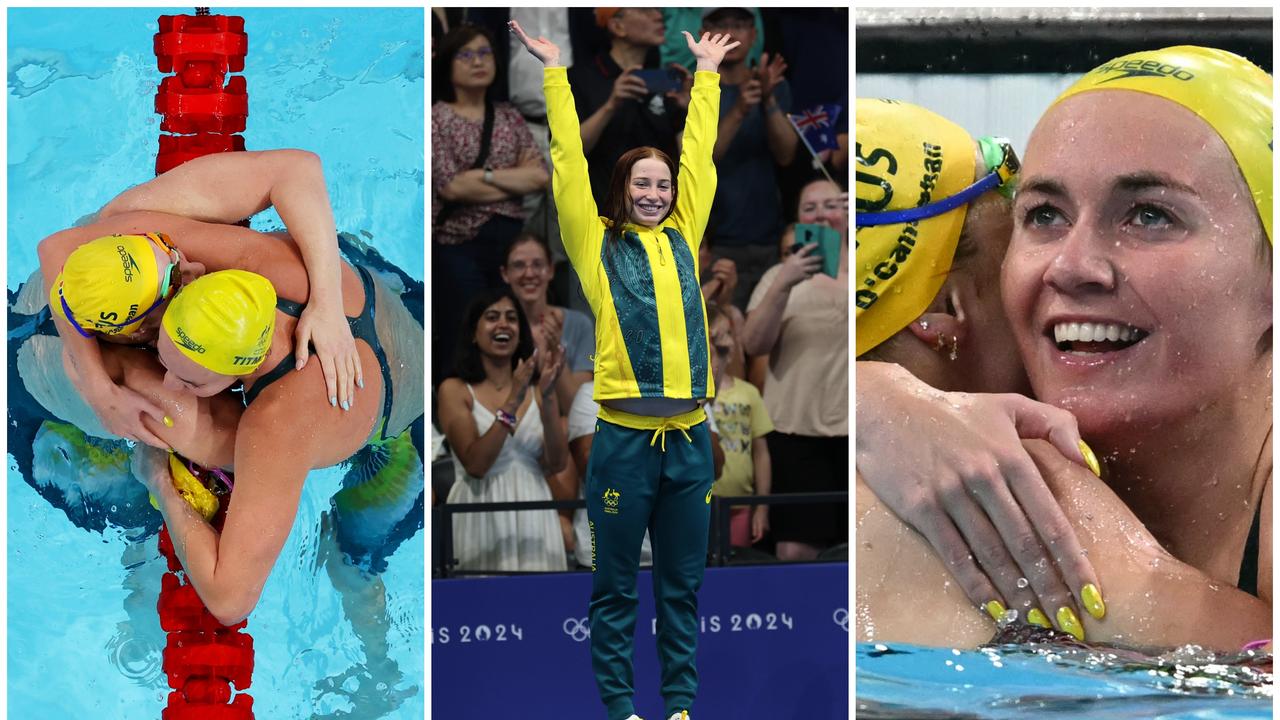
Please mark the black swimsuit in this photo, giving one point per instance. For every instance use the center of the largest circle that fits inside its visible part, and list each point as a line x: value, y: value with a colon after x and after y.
x: 1248, y: 581
x: 362, y: 328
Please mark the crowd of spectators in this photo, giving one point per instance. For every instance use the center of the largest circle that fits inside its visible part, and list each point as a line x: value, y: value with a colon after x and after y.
x: 512, y: 337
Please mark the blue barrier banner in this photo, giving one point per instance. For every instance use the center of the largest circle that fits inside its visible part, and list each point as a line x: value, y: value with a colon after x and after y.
x: 774, y: 645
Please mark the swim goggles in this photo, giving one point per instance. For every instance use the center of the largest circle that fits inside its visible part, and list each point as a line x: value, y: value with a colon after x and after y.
x: 1002, y: 165
x: 226, y: 486
x: 169, y: 280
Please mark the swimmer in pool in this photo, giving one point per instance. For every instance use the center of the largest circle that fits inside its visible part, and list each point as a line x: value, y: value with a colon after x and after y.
x: 200, y: 200
x: 1153, y: 248
x: 382, y: 309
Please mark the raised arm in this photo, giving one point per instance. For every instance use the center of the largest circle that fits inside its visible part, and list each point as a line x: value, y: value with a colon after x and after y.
x: 580, y: 225
x: 229, y: 187
x: 697, y: 179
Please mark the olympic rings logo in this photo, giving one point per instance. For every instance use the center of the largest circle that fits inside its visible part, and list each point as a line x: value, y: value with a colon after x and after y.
x: 841, y: 618
x: 577, y: 628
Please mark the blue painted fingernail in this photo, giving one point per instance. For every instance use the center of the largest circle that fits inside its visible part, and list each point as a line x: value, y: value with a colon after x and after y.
x: 346, y: 405
x: 333, y: 401
x: 360, y: 383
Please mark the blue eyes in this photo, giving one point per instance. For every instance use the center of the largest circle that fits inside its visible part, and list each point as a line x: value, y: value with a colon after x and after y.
x: 1150, y: 216
x: 1043, y: 216
x: 1142, y: 215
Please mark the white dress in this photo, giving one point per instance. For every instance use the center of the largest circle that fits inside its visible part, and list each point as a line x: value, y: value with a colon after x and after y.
x: 502, y: 541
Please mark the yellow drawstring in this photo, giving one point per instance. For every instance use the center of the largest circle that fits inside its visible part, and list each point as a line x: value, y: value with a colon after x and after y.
x: 669, y: 424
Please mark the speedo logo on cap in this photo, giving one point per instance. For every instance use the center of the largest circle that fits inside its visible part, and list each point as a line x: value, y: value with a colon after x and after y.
x: 130, y: 265
x: 185, y: 341
x: 1144, y: 68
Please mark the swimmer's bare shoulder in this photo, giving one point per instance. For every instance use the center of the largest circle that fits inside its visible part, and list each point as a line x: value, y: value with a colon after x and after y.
x: 905, y: 593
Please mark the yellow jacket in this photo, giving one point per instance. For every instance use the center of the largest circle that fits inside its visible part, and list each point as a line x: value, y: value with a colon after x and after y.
x: 651, y: 323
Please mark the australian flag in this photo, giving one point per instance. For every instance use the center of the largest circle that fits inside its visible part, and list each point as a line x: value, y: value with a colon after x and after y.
x: 818, y: 126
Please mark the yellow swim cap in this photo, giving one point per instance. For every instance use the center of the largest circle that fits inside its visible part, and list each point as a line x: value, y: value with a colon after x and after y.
x: 223, y: 321
x: 107, y: 282
x: 1227, y: 91
x: 908, y: 157
x: 191, y: 489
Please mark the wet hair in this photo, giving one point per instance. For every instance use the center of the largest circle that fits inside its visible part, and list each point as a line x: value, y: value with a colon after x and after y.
x: 442, y: 64
x: 468, y: 364
x: 527, y: 237
x: 615, y: 199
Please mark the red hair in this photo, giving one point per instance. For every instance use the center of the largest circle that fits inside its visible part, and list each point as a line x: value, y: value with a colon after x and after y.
x: 616, y: 198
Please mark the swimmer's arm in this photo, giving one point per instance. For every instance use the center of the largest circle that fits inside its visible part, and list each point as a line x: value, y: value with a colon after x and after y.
x: 230, y: 569
x: 228, y: 187
x: 1153, y: 599
x: 580, y: 225
x: 118, y: 408
x: 697, y: 179
x: 906, y: 594
x: 476, y: 451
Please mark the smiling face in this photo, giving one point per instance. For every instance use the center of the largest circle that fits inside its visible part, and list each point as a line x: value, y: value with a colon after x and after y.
x: 649, y: 192
x: 821, y: 204
x: 497, y: 333
x: 528, y: 271
x: 474, y: 65
x: 1134, y: 280
x: 182, y: 374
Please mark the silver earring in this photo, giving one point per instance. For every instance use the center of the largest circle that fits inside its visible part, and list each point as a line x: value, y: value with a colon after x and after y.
x: 955, y: 348
x: 924, y: 324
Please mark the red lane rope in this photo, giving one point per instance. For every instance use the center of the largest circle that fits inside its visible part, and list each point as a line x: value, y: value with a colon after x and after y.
x: 203, y: 659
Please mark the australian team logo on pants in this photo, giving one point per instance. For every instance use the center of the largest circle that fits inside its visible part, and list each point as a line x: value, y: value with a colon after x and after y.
x: 611, y: 499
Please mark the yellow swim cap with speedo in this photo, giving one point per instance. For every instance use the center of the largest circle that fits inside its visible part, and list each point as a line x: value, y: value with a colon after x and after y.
x: 908, y: 157
x: 224, y: 321
x: 110, y: 279
x: 1227, y: 91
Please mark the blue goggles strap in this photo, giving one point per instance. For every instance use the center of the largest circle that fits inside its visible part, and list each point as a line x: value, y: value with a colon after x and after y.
x: 999, y: 157
x: 933, y: 209
x: 71, y: 318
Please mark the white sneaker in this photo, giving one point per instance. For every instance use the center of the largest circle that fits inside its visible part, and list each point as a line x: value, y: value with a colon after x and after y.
x: 635, y: 717
x: 682, y: 715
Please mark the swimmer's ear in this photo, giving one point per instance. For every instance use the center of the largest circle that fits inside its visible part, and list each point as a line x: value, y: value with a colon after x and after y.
x: 944, y: 323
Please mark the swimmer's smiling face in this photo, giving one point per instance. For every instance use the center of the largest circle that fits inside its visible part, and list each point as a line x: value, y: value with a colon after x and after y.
x: 182, y: 374
x: 1132, y: 216
x: 649, y: 192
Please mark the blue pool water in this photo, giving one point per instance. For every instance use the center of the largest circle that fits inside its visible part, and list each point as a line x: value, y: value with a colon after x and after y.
x: 911, y: 682
x: 83, y: 636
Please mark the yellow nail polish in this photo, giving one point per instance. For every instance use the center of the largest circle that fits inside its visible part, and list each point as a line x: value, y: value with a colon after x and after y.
x: 995, y: 610
x: 168, y: 421
x: 1090, y: 459
x: 1069, y: 623
x: 1037, y: 617
x: 1093, y: 601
